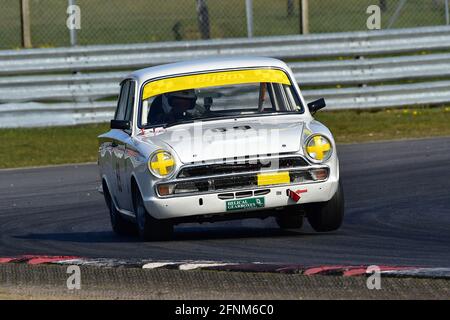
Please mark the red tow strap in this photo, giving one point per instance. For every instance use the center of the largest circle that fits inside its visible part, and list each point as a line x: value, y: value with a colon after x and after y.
x: 295, y: 195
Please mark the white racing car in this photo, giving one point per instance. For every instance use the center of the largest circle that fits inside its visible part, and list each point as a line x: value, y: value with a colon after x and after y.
x: 217, y: 139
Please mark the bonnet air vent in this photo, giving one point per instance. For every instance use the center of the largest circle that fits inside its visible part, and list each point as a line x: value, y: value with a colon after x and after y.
x: 222, y: 130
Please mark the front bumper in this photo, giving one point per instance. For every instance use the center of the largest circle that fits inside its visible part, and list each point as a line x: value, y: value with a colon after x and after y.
x: 210, y: 204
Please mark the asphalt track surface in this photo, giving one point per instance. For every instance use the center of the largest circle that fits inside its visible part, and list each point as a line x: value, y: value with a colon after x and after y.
x: 397, y: 213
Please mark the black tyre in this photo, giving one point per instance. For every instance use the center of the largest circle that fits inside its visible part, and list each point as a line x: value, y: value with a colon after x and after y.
x: 149, y: 228
x: 290, y: 219
x: 327, y: 216
x: 119, y: 224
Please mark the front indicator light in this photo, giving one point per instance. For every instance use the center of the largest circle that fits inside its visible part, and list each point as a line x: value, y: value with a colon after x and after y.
x: 318, y: 148
x: 319, y: 174
x: 168, y: 189
x: 161, y: 164
x: 165, y: 189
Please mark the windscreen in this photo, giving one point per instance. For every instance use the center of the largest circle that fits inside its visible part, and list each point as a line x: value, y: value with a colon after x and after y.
x: 217, y: 95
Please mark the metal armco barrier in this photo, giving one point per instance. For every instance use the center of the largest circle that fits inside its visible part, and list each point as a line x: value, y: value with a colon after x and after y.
x: 64, y: 86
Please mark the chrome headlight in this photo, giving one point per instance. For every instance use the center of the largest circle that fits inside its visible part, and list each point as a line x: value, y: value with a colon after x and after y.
x: 161, y: 164
x: 318, y: 148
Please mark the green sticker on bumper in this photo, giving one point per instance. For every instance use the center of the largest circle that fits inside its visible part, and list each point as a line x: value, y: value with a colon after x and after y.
x: 243, y: 204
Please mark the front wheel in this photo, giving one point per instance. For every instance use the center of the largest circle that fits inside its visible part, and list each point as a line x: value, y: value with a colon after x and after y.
x: 149, y: 228
x: 329, y: 215
x: 119, y: 225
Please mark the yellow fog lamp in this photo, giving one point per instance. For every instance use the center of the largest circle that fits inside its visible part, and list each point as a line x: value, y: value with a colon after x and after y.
x: 318, y: 148
x: 161, y: 164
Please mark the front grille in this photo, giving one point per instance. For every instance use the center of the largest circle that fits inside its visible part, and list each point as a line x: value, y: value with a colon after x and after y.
x: 240, y: 175
x: 219, y: 183
x: 241, y: 166
x: 237, y: 182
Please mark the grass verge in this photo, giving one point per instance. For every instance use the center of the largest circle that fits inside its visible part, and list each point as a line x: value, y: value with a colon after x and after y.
x: 58, y: 145
x: 47, y: 146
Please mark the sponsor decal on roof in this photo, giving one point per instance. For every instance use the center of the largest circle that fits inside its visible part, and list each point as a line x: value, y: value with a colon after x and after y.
x: 213, y: 79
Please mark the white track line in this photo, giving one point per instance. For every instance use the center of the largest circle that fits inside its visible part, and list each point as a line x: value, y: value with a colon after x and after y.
x: 193, y: 266
x: 155, y: 265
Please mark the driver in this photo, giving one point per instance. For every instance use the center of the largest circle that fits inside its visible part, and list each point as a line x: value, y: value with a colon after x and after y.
x: 180, y: 105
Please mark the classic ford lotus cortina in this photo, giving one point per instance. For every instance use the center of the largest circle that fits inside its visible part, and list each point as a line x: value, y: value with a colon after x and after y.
x: 217, y: 139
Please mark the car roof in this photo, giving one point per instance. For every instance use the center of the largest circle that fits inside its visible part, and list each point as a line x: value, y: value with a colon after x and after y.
x: 206, y: 64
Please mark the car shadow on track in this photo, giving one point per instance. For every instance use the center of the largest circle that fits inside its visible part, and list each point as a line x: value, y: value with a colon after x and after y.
x: 180, y: 234
x: 81, y: 237
x: 218, y: 233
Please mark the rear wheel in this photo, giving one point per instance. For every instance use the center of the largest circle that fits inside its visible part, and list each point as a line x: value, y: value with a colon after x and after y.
x: 119, y: 224
x: 327, y: 216
x: 149, y: 228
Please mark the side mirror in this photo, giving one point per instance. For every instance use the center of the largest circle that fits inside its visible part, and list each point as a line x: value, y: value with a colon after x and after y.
x: 316, y: 105
x: 120, y: 124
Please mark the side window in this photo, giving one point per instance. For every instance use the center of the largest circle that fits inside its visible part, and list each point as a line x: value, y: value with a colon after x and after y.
x: 123, y: 99
x: 130, y: 102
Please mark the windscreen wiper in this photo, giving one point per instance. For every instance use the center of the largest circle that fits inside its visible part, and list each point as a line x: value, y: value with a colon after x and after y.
x: 174, y: 123
x: 177, y: 122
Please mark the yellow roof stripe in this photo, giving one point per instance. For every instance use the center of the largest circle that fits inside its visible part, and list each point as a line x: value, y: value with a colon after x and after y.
x: 213, y: 79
